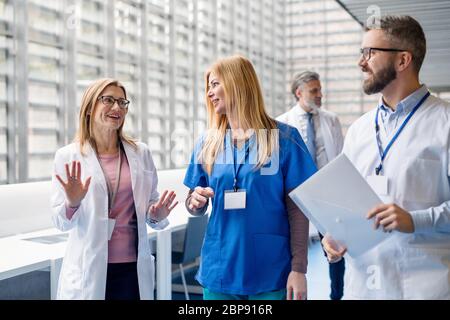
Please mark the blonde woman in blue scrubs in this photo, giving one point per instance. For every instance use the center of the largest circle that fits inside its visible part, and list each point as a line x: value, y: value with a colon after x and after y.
x: 256, y: 241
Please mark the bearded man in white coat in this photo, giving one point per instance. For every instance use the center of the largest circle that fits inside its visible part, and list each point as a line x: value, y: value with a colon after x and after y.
x: 322, y: 133
x: 402, y: 149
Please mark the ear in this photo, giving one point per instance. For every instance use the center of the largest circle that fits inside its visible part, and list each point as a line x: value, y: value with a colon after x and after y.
x: 404, y: 60
x: 298, y: 93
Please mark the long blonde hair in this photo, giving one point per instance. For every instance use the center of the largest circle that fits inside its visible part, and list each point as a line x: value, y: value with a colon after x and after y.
x: 88, y: 107
x: 243, y: 98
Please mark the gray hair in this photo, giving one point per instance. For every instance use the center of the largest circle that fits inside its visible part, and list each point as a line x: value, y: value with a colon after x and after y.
x: 301, y: 78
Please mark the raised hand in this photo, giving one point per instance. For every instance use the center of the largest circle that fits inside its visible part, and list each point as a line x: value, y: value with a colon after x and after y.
x: 74, y: 188
x: 160, y: 210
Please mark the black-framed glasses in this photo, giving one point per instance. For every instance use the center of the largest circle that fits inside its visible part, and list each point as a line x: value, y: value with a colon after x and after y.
x: 109, y: 101
x: 367, y: 52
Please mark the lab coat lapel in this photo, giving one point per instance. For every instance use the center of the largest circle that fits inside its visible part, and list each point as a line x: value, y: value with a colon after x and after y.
x: 92, y: 162
x: 132, y: 162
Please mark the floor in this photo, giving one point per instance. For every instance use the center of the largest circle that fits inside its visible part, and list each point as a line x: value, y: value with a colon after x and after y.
x: 318, y: 280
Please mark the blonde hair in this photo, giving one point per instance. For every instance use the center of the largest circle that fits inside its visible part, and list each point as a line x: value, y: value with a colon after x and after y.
x: 88, y: 107
x: 243, y: 98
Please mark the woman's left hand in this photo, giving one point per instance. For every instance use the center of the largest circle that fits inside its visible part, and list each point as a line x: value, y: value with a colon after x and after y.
x: 160, y: 210
x: 296, y: 286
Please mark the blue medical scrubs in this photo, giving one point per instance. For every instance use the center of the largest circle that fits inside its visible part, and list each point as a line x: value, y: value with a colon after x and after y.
x: 247, y: 251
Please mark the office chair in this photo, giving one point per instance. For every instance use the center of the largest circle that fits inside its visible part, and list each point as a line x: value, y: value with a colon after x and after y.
x: 193, y: 241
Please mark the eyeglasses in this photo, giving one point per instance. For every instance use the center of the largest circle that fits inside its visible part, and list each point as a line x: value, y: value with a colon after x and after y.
x: 366, y: 52
x: 109, y: 101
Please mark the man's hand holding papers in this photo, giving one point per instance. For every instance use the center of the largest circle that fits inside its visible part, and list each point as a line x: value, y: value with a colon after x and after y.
x: 391, y: 217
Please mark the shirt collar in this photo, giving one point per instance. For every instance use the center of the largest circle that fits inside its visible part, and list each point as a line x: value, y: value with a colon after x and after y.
x: 299, y: 110
x: 407, y: 104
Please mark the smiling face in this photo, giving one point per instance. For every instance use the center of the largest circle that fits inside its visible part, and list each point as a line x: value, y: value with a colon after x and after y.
x: 109, y: 117
x: 379, y: 70
x: 216, y: 94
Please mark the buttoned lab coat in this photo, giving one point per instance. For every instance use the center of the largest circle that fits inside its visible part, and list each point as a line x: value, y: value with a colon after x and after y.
x: 84, y: 268
x: 417, y: 265
x: 330, y: 129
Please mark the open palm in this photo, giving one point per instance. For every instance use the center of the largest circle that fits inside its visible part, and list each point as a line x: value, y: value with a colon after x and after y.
x: 74, y: 188
x: 160, y: 210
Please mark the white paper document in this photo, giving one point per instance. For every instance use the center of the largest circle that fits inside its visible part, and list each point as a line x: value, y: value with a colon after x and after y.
x: 336, y: 200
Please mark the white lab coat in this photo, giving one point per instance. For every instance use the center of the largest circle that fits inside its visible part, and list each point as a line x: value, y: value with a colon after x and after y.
x: 83, y: 271
x: 330, y: 129
x: 407, y: 266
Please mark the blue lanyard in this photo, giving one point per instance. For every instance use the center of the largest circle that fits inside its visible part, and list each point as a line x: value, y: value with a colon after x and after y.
x: 384, y: 153
x: 236, y: 171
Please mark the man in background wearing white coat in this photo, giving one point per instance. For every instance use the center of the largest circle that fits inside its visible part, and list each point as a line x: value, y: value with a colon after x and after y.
x: 322, y: 133
x: 402, y: 148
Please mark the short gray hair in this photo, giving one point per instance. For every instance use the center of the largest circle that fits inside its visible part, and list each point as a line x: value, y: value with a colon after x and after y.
x: 301, y: 78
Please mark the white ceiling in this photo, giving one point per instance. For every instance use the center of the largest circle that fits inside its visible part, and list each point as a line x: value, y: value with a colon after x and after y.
x: 434, y: 16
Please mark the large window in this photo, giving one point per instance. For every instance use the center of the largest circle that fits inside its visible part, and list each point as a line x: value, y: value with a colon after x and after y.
x: 7, y: 111
x: 323, y: 37
x: 45, y: 80
x: 51, y: 50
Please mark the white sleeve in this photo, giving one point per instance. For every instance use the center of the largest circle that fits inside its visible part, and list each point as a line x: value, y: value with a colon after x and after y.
x: 58, y: 198
x: 434, y: 219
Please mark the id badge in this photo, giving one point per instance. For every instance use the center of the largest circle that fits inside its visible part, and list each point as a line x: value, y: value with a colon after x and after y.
x: 235, y: 199
x: 111, y: 224
x: 379, y: 184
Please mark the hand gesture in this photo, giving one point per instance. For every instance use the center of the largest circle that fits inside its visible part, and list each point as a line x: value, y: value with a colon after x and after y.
x: 160, y: 210
x: 74, y: 188
x: 199, y: 197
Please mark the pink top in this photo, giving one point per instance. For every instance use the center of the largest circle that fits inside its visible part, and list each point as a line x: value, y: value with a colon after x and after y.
x: 123, y: 244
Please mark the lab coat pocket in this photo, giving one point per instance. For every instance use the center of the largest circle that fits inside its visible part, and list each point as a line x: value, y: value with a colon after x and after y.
x: 71, y: 277
x: 422, y: 178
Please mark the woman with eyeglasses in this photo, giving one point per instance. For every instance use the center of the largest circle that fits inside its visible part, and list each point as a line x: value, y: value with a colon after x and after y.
x: 105, y: 193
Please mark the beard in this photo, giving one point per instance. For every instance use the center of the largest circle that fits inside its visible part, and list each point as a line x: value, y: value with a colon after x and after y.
x: 379, y: 80
x: 312, y: 105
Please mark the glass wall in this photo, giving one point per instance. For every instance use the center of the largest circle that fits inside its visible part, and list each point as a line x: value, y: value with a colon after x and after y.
x: 323, y: 37
x: 51, y: 50
x: 5, y: 77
